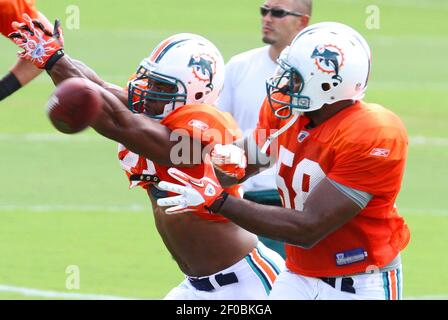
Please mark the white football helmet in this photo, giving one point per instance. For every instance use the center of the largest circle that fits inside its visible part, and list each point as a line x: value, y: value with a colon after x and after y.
x: 189, y: 63
x: 325, y: 63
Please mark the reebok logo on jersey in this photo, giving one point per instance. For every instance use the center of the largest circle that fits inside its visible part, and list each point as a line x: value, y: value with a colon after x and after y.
x: 198, y: 124
x: 302, y: 135
x: 350, y: 256
x: 380, y: 152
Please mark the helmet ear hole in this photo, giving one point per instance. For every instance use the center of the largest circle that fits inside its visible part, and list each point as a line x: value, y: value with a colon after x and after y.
x: 326, y: 86
x: 198, y: 95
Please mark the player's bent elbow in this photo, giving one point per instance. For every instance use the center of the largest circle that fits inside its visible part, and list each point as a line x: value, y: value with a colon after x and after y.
x: 300, y: 242
x: 306, y: 235
x: 306, y: 242
x: 309, y: 243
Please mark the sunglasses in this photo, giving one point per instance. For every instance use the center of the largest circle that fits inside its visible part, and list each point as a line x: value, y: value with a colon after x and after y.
x: 278, y: 12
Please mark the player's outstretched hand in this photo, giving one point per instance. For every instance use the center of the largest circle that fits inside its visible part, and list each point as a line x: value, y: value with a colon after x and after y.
x: 193, y: 194
x: 230, y: 160
x: 40, y: 46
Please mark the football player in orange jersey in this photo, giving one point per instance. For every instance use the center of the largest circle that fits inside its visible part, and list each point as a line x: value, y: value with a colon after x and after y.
x: 340, y: 163
x: 174, y: 84
x: 23, y: 71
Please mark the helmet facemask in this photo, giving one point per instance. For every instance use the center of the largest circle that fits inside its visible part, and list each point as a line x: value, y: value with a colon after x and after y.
x: 150, y: 86
x: 287, y: 82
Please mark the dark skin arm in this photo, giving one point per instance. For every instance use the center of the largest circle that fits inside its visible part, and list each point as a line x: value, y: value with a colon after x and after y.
x: 228, y: 181
x: 137, y: 132
x: 325, y: 210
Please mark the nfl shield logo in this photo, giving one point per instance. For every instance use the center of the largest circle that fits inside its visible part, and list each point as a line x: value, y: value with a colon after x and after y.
x: 302, y: 135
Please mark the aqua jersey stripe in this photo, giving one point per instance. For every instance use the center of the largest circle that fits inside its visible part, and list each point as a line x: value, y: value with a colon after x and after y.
x: 266, y: 285
x: 399, y: 284
x: 268, y: 261
x: 386, y: 285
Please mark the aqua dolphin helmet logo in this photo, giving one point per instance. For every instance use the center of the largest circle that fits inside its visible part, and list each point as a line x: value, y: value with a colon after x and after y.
x: 204, y: 68
x: 329, y: 59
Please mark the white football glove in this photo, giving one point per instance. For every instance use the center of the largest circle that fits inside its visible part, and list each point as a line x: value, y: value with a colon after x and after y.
x: 194, y: 194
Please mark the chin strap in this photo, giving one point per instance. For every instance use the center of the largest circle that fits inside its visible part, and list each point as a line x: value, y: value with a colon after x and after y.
x: 279, y: 132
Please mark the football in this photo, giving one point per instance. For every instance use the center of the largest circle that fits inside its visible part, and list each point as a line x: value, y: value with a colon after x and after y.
x: 74, y: 105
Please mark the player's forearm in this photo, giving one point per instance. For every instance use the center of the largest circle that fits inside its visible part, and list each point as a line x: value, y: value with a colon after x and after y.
x: 67, y: 67
x: 277, y: 223
x: 153, y: 143
x: 64, y: 69
x: 151, y: 149
x: 115, y: 116
x: 88, y: 72
x: 25, y: 71
x: 325, y: 210
x: 228, y: 181
x: 138, y: 133
x: 115, y: 120
x: 252, y: 170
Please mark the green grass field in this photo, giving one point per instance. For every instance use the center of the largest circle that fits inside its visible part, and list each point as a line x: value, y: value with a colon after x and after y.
x: 64, y: 200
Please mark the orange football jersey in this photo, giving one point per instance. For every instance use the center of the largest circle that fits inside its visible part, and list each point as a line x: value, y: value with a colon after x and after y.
x: 363, y: 147
x: 12, y: 10
x: 202, y: 122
